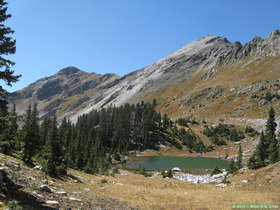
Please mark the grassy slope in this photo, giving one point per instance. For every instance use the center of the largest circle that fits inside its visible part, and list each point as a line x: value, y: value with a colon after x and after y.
x: 156, y: 193
x: 245, y: 73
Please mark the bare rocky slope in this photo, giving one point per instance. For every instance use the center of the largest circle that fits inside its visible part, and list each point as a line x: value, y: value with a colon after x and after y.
x: 72, y: 92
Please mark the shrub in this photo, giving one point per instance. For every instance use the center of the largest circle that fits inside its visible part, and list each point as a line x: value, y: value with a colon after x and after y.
x: 14, y: 205
x: 225, y: 181
x: 236, y: 135
x: 232, y: 167
x: 168, y: 174
x: 216, y: 170
x: 251, y: 131
x: 210, y: 148
x: 143, y: 172
x: 103, y: 181
x: 183, y: 121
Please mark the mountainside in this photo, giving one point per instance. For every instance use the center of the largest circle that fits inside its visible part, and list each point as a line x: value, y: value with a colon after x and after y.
x: 202, y: 70
x: 63, y: 93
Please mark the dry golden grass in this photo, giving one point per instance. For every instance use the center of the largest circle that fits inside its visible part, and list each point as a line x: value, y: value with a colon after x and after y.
x: 159, y: 193
x: 170, y: 194
x: 240, y: 74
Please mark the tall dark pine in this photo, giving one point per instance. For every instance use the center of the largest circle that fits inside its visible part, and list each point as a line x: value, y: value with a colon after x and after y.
x: 55, y: 164
x: 270, y: 127
x: 252, y: 163
x: 27, y: 135
x: 13, y: 121
x: 7, y: 47
x: 13, y: 127
x: 44, y: 131
x: 31, y: 134
x: 272, y: 144
x: 271, y: 124
x: 239, y: 158
x: 261, y: 152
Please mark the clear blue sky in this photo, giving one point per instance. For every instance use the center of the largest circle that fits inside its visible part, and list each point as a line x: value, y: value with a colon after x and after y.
x: 120, y: 36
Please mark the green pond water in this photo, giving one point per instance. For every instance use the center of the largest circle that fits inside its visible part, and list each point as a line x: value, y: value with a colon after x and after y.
x: 164, y: 162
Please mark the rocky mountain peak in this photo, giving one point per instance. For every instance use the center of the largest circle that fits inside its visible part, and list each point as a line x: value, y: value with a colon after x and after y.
x: 68, y: 71
x: 275, y: 34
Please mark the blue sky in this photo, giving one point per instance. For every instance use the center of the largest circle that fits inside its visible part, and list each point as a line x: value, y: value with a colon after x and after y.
x: 120, y: 36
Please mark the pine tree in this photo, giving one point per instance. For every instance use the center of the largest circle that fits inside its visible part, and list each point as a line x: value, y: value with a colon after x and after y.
x: 31, y: 134
x: 7, y: 46
x: 261, y: 152
x: 55, y: 164
x: 44, y: 131
x: 252, y: 163
x: 270, y: 129
x: 271, y: 124
x: 232, y: 167
x: 272, y: 143
x: 273, y: 151
x: 239, y: 157
x: 13, y: 121
x: 234, y: 135
x: 27, y: 136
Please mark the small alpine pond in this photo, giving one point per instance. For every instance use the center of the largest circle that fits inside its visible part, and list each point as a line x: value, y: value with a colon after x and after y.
x: 166, y: 162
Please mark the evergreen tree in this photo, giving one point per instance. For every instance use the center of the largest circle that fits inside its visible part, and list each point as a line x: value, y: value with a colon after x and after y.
x: 273, y: 150
x: 270, y: 129
x: 252, y: 163
x: 13, y: 121
x: 267, y: 151
x: 239, y: 157
x: 31, y: 136
x: 55, y: 164
x: 261, y: 152
x: 27, y: 136
x: 44, y: 131
x: 234, y: 135
x: 232, y: 167
x: 7, y: 46
x: 272, y: 143
x: 165, y: 121
x: 271, y: 124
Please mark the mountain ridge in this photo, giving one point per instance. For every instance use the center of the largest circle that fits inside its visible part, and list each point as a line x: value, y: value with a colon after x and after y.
x: 95, y: 91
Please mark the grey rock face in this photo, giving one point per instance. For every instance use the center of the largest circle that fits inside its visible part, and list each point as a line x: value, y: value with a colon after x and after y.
x: 252, y: 88
x: 209, y: 74
x: 209, y: 93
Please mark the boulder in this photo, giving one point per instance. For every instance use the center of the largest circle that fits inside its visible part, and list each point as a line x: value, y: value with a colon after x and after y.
x: 52, y: 202
x: 176, y: 169
x: 37, y: 195
x: 74, y: 199
x: 262, y: 102
x: 38, y: 167
x: 45, y: 188
x: 61, y: 192
x: 221, y: 185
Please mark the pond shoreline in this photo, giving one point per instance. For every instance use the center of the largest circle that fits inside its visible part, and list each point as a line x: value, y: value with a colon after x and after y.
x: 223, y: 152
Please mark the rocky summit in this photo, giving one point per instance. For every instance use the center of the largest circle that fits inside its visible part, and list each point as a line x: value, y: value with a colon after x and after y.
x: 72, y: 92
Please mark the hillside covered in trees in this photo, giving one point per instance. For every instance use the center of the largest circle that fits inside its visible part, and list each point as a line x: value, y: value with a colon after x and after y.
x: 96, y: 140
